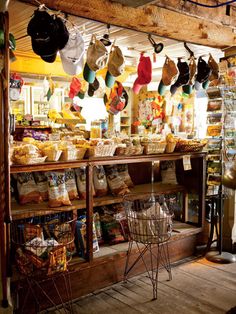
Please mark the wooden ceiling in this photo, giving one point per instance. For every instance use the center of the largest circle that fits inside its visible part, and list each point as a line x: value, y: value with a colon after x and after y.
x: 130, y: 41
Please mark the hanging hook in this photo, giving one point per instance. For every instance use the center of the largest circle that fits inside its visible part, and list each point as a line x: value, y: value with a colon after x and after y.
x: 189, y: 50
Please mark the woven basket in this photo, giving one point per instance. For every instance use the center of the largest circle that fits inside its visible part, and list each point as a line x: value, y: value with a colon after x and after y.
x: 52, y: 155
x: 123, y: 151
x: 68, y: 154
x: 137, y: 150
x: 101, y: 151
x: 170, y: 147
x: 29, y: 160
x: 80, y: 152
x: 154, y: 148
x: 189, y: 146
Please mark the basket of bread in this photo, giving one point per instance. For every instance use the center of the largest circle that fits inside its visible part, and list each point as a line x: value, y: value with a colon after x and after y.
x: 171, y: 141
x: 154, y: 145
x: 190, y: 145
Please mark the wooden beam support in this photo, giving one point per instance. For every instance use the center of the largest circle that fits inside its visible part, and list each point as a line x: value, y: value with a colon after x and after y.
x: 213, y: 15
x: 149, y: 19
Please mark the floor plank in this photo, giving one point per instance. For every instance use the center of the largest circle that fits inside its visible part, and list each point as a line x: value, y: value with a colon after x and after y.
x: 198, y: 287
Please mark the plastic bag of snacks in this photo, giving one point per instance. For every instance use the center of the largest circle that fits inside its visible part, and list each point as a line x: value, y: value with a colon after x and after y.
x: 71, y: 184
x: 80, y: 237
x: 42, y: 184
x: 115, y: 182
x: 27, y: 188
x: 100, y: 181
x: 124, y: 174
x: 168, y: 174
x: 81, y: 182
x: 58, y: 195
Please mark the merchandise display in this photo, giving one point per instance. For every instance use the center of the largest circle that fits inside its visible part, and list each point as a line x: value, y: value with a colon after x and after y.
x: 102, y: 117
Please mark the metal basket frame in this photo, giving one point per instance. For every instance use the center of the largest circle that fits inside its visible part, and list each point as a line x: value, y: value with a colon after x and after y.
x: 150, y: 230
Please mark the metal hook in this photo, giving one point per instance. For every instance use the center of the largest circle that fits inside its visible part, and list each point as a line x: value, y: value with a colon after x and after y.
x: 189, y: 50
x: 157, y: 47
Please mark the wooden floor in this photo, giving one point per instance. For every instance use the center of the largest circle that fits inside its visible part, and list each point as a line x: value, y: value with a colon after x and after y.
x: 198, y: 286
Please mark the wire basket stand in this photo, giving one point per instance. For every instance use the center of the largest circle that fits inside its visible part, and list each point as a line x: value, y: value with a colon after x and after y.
x: 150, y: 227
x: 43, y: 247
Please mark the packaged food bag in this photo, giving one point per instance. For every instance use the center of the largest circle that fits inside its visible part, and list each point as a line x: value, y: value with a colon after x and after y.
x: 27, y: 188
x: 98, y: 227
x: 80, y: 237
x: 58, y: 195
x: 81, y: 182
x: 42, y: 184
x: 71, y: 184
x: 168, y: 173
x: 100, y: 181
x: 115, y: 183
x: 124, y: 174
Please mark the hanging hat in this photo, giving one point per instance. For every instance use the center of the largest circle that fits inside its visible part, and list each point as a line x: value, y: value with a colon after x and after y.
x: 187, y: 89
x: 48, y: 34
x: 115, y: 66
x: 183, y: 77
x: 75, y: 87
x: 117, y: 99
x: 97, y: 56
x: 144, y: 73
x: 203, y: 73
x: 93, y: 87
x: 72, y: 54
x: 214, y: 69
x: 169, y: 73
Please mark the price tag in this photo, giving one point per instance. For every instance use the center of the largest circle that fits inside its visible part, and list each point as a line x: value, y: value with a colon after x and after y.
x: 187, y: 162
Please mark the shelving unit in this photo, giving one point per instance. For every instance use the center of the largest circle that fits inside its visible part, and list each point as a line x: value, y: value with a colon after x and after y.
x: 96, y: 270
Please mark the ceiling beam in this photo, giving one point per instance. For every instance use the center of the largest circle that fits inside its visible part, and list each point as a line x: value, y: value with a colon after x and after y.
x: 216, y: 15
x: 150, y: 19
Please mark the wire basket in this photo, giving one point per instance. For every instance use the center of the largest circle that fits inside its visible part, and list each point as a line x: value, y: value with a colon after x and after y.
x: 44, y: 245
x: 148, y: 221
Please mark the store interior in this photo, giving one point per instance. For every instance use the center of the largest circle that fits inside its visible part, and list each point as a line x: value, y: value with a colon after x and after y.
x: 130, y: 112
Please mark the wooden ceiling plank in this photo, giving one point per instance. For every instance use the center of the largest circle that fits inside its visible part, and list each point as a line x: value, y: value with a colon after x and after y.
x: 150, y: 19
x: 217, y: 14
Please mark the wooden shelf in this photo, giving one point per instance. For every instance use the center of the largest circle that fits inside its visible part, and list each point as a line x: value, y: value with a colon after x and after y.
x: 102, y: 161
x: 41, y: 209
x: 33, y: 127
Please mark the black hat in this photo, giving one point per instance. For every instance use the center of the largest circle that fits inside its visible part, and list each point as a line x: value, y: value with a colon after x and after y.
x: 48, y: 35
x: 93, y: 87
x: 183, y: 77
x: 203, y: 73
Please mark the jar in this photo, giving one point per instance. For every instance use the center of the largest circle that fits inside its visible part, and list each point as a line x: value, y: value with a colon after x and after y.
x: 96, y: 130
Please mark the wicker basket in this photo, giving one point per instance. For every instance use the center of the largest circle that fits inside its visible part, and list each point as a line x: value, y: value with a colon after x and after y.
x: 170, y: 147
x: 52, y: 155
x: 123, y: 151
x: 101, y: 151
x: 29, y: 160
x: 137, y: 150
x: 154, y: 148
x: 68, y: 154
x: 80, y: 152
x: 189, y: 146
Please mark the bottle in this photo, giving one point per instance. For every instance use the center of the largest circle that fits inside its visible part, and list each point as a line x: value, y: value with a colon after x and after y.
x: 95, y: 130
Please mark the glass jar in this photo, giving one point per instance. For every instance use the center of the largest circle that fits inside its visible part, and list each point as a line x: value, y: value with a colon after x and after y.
x: 95, y: 130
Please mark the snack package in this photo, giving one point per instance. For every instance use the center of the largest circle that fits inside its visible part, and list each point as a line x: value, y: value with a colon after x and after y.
x: 80, y: 237
x: 124, y: 174
x: 98, y: 227
x: 111, y: 229
x: 42, y: 184
x: 32, y: 231
x: 71, y: 184
x: 100, y: 181
x: 57, y: 260
x: 168, y: 174
x: 115, y: 183
x: 27, y: 188
x: 58, y: 195
x: 81, y: 182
